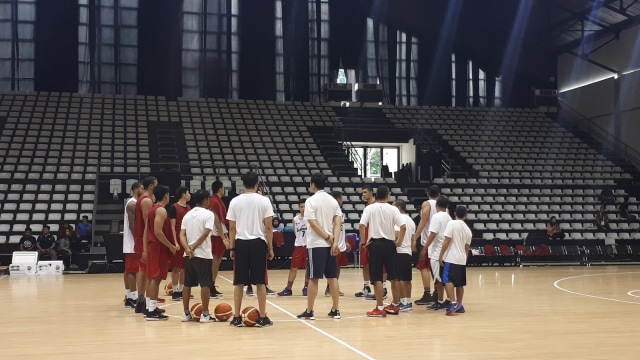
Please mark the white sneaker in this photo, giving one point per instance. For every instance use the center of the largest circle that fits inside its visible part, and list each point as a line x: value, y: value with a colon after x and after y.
x: 186, y: 317
x: 206, y: 319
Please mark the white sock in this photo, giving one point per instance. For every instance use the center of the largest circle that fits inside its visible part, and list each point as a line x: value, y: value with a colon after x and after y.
x: 152, y: 305
x: 403, y: 301
x: 366, y: 283
x: 380, y: 307
x: 134, y: 295
x: 180, y: 288
x: 148, y: 299
x: 384, y: 284
x: 128, y: 293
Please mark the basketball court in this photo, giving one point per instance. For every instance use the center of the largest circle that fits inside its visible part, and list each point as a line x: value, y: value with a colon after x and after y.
x: 523, y: 313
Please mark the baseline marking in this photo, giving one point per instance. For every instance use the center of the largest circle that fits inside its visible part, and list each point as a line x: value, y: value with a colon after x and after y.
x: 3, y: 276
x: 307, y: 323
x: 594, y: 296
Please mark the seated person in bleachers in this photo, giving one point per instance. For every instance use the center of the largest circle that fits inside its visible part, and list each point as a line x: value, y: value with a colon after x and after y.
x: 277, y: 225
x: 62, y: 230
x: 28, y: 241
x: 65, y: 249
x: 602, y: 219
x: 84, y: 229
x: 46, y: 243
x: 553, y: 229
x: 606, y: 196
x: 624, y: 210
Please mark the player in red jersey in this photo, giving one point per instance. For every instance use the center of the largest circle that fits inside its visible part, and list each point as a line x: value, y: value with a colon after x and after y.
x: 144, y: 203
x: 369, y: 197
x: 220, y: 242
x: 176, y: 212
x: 159, y: 249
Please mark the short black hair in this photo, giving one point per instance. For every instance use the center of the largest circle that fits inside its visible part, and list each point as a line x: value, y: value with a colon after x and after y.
x: 319, y: 180
x: 135, y: 185
x: 160, y: 191
x: 146, y: 182
x: 401, y: 204
x: 199, y: 196
x: 85, y: 216
x: 249, y: 180
x: 382, y: 192
x: 461, y: 211
x: 367, y: 187
x: 302, y: 200
x: 181, y: 191
x: 216, y: 186
x: 336, y: 194
x: 433, y: 191
x: 28, y: 229
x: 443, y: 202
x: 46, y: 227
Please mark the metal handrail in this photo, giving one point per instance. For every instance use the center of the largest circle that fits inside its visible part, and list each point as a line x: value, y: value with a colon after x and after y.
x: 349, y: 147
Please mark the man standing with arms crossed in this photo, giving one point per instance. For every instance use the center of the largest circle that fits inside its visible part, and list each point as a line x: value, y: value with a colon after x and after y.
x: 251, y: 244
x: 325, y: 220
x: 381, y: 217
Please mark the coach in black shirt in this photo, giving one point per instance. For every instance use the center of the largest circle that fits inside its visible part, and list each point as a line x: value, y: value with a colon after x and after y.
x: 47, y: 243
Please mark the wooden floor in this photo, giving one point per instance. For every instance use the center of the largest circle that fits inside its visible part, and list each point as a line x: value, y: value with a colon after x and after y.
x: 512, y: 313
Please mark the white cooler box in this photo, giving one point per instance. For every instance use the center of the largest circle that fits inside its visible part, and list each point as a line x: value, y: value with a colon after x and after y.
x: 50, y: 267
x: 24, y: 263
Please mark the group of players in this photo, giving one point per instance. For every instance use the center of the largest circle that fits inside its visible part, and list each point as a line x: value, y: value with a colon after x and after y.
x: 192, y: 242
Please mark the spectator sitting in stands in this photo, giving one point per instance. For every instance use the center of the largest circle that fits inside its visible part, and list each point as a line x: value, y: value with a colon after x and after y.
x: 62, y: 231
x: 624, y: 210
x: 606, y: 196
x: 28, y: 242
x: 277, y: 225
x: 602, y: 220
x: 553, y: 229
x: 83, y: 230
x: 46, y: 243
x: 65, y: 248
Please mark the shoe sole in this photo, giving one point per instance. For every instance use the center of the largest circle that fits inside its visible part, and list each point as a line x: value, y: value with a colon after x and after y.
x: 376, y: 315
x: 156, y: 319
x: 264, y: 326
x: 392, y: 313
x: 307, y: 318
x: 335, y: 317
x: 405, y: 310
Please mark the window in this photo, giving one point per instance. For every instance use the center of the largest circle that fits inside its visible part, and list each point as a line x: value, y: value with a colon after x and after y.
x: 279, y: 52
x: 108, y: 47
x: 318, y: 47
x: 401, y: 69
x: 469, y: 83
x: 372, y: 159
x: 210, y: 47
x: 17, y: 45
x: 413, y: 73
x: 498, y: 92
x: 453, y: 79
x: 372, y: 71
x: 482, y: 88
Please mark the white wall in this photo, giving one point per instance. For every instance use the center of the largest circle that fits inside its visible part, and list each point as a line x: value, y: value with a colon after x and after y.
x: 589, y: 89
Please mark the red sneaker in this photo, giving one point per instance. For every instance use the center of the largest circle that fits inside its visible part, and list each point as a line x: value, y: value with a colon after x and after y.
x: 392, y: 309
x: 376, y: 313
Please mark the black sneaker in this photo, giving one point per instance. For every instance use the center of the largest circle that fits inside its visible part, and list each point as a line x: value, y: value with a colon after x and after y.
x: 249, y: 290
x: 366, y: 290
x: 215, y: 294
x: 384, y: 296
x: 236, y: 321
x: 270, y: 292
x: 424, y: 300
x: 264, y: 322
x: 307, y: 315
x: 130, y: 304
x: 334, y: 314
x: 446, y: 304
x: 141, y: 307
x: 155, y: 315
x: 434, y: 296
x: 176, y: 296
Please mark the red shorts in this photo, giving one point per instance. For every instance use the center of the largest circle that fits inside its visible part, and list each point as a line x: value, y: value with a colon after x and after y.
x: 131, y: 261
x: 424, y: 263
x: 158, y: 257
x: 364, y: 256
x: 343, y: 260
x: 217, y: 247
x: 177, y: 260
x: 299, y: 257
x: 142, y: 267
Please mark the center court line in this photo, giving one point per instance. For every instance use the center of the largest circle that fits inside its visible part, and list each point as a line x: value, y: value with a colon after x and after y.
x: 593, y: 296
x: 307, y: 323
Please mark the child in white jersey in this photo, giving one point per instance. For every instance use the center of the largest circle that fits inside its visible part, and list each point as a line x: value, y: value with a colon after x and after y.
x: 299, y: 257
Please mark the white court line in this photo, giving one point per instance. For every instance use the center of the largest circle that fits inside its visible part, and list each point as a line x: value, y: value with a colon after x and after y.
x: 307, y: 323
x: 630, y: 293
x: 3, y: 276
x: 593, y: 296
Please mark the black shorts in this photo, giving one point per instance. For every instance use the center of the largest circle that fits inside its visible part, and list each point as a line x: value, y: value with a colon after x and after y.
x: 321, y: 263
x: 403, y: 267
x: 250, y: 264
x: 197, y: 271
x: 382, y: 255
x: 454, y: 273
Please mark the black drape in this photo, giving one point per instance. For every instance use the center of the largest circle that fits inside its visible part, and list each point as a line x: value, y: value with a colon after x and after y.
x: 257, y: 50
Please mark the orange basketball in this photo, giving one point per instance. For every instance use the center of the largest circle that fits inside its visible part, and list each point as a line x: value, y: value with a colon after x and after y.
x: 196, y: 311
x: 223, y: 312
x: 250, y: 316
x: 168, y: 288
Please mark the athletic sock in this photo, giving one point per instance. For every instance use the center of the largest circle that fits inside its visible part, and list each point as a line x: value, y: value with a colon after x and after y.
x: 180, y: 287
x: 134, y: 295
x: 367, y: 283
x: 384, y: 284
x: 290, y: 284
x: 187, y: 312
x: 128, y: 294
x: 404, y: 301
x: 380, y: 307
x: 205, y: 313
x: 148, y: 300
x: 427, y: 290
x: 141, y: 298
x: 152, y: 305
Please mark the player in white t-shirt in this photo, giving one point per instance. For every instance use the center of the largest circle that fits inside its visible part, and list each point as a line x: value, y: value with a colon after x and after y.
x: 131, y: 265
x: 195, y: 236
x: 437, y: 227
x: 427, y: 212
x: 300, y: 226
x: 325, y: 218
x: 380, y: 219
x: 453, y: 259
x: 401, y: 287
x: 250, y: 218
